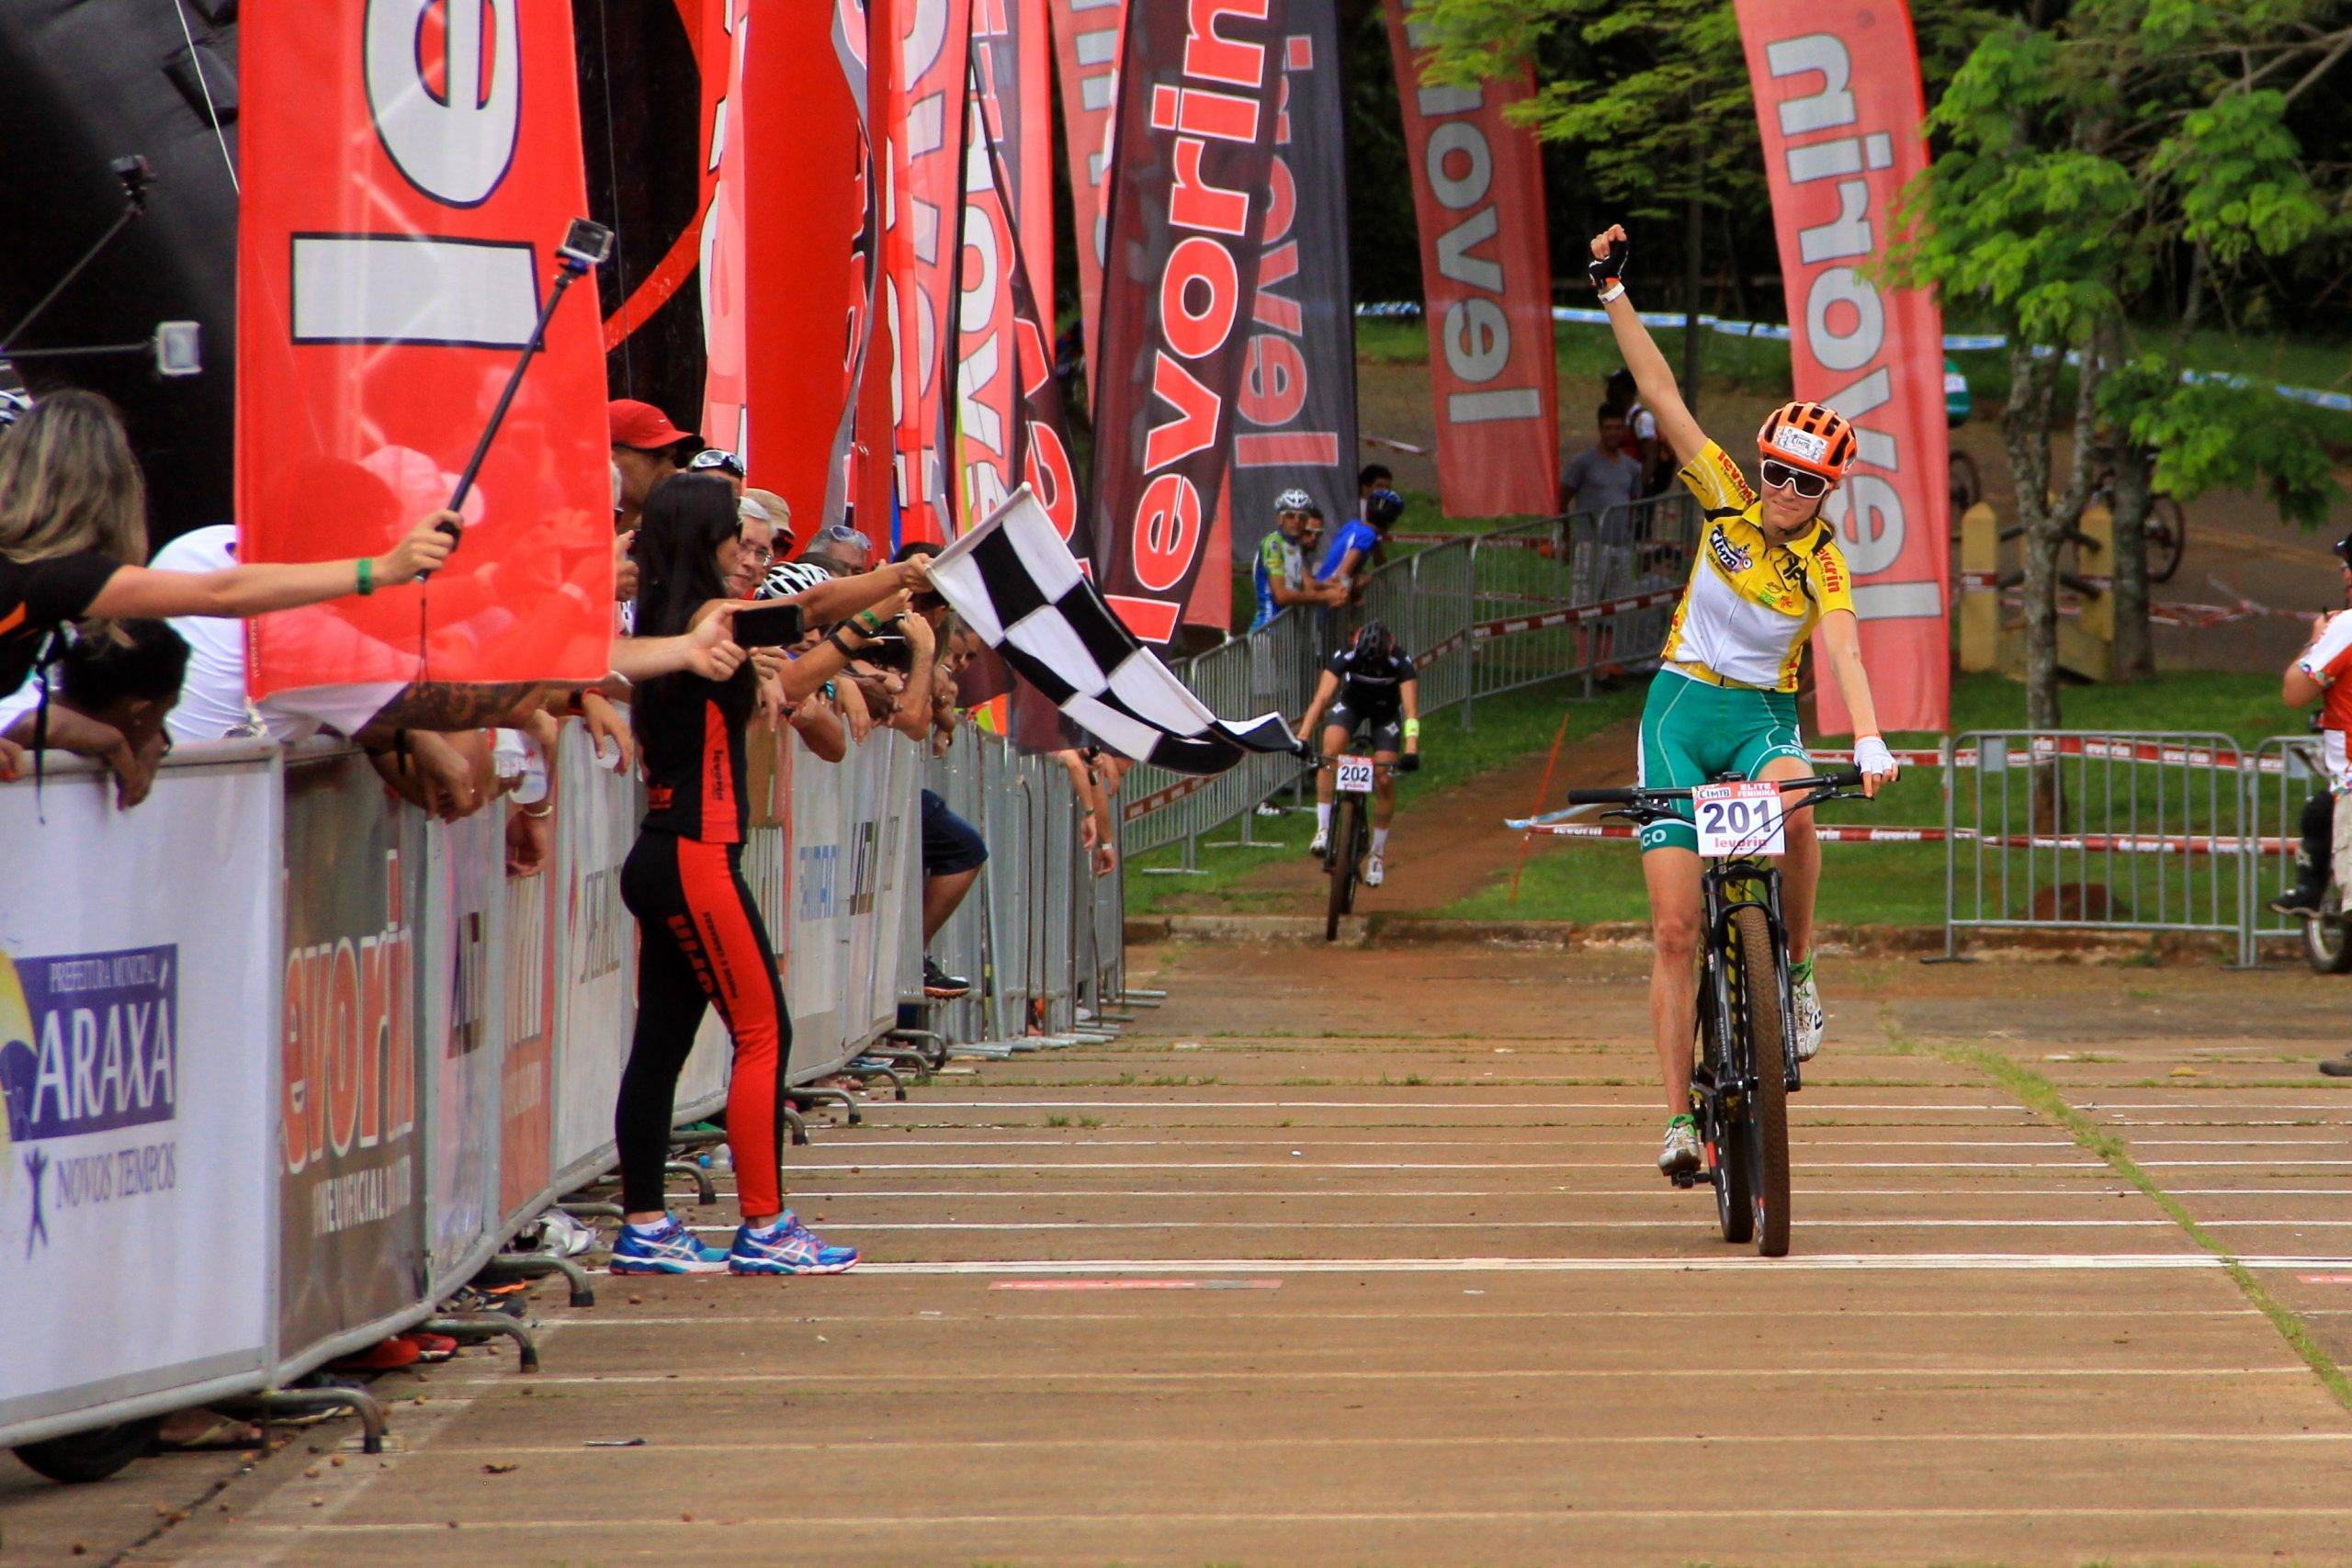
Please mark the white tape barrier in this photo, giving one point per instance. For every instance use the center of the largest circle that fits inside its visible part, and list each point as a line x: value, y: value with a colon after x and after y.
x: 1954, y: 342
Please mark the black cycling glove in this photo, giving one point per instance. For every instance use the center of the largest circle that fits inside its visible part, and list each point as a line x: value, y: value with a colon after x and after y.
x: 1612, y: 270
x: 1411, y: 762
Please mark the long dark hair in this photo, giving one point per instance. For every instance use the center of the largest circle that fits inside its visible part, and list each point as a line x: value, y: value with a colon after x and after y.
x: 687, y: 517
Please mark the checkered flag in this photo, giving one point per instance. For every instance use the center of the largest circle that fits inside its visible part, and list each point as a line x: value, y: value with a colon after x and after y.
x: 1013, y: 581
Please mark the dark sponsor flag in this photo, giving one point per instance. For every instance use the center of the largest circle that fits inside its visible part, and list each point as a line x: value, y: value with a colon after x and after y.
x: 1192, y: 164
x: 1016, y: 585
x: 1298, y: 398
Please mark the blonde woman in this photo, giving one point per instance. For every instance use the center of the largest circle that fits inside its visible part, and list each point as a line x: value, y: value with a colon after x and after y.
x: 73, y: 542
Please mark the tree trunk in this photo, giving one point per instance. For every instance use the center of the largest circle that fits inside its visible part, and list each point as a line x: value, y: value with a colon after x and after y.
x: 2024, y: 429
x: 2135, y: 645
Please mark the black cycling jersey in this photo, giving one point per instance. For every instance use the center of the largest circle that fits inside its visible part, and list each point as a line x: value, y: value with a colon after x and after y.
x: 691, y: 731
x: 1369, y: 688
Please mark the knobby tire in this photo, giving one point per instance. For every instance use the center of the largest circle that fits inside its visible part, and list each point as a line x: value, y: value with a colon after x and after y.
x: 1768, y: 1115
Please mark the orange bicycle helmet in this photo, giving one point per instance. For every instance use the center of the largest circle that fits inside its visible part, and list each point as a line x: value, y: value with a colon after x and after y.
x: 1812, y: 436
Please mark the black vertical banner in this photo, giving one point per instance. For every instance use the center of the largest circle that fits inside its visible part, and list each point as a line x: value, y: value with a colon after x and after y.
x: 1199, y: 90
x: 1298, y: 395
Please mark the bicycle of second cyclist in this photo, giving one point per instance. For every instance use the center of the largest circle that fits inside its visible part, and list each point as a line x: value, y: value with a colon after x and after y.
x: 1747, y: 1063
x: 1350, y: 837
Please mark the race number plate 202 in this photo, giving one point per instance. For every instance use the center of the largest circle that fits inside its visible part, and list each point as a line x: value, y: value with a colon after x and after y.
x: 1740, y: 820
x: 1355, y: 775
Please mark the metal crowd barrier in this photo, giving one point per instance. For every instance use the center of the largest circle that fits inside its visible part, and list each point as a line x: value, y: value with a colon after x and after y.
x: 311, y: 1058
x: 2283, y: 773
x: 1482, y: 615
x: 2066, y: 829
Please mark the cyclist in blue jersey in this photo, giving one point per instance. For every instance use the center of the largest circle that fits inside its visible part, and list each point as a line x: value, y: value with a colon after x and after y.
x: 1354, y: 551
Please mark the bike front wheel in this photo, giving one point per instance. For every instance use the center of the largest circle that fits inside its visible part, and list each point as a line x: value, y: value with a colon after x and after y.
x: 1767, y: 1102
x: 1347, y: 863
x: 2168, y: 530
x: 2327, y: 944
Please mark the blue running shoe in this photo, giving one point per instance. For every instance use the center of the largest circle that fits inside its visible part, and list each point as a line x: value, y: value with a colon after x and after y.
x: 669, y: 1251
x: 789, y: 1248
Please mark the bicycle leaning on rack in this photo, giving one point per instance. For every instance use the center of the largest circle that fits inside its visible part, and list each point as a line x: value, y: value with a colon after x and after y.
x: 1746, y: 1065
x: 1351, y: 838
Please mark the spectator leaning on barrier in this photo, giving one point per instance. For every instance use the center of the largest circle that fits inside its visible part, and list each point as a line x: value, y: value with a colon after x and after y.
x: 2318, y: 675
x: 952, y: 850
x: 1281, y: 573
x: 113, y: 695
x: 73, y: 534
x: 701, y: 939
x: 1606, y: 474
x: 1356, y: 549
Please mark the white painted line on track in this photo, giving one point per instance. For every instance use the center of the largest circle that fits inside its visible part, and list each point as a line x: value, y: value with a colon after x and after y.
x: 1661, y: 1192
x: 1002, y: 1312
x: 799, y: 1517
x: 1824, y: 1262
x: 1033, y: 1168
x: 2155, y: 1223
x: 1636, y: 1100
x: 853, y: 1448
x: 1722, y: 1372
x: 1802, y: 1141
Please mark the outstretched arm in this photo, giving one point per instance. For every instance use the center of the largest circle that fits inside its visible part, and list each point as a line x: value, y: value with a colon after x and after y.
x: 136, y: 592
x: 1675, y: 424
x: 1841, y: 638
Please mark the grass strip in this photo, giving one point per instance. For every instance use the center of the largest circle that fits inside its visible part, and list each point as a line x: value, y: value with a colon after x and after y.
x: 2040, y: 1096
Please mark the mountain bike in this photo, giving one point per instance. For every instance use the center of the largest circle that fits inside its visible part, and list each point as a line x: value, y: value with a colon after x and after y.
x: 1748, y: 1059
x: 2167, y: 525
x: 1351, y: 836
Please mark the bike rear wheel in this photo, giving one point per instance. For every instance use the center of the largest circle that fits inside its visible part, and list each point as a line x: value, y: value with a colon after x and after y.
x: 2168, y: 530
x: 2327, y: 944
x: 1967, y: 487
x: 1347, y: 861
x: 1768, y: 1103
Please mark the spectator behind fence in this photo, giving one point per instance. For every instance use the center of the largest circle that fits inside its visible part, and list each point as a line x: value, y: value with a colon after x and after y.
x: 1370, y: 478
x: 113, y: 695
x: 1281, y: 573
x: 647, y: 449
x: 73, y: 532
x: 1641, y: 425
x: 952, y: 850
x: 701, y: 938
x: 1357, y: 547
x: 1606, y: 474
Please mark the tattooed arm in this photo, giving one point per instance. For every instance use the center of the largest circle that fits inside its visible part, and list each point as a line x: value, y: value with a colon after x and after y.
x: 442, y: 705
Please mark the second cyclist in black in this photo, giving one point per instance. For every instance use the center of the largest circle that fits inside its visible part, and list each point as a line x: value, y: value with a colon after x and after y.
x: 1369, y: 685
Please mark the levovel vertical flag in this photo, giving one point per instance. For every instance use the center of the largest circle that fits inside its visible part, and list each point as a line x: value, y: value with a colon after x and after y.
x: 1837, y: 98
x: 928, y: 43
x: 409, y: 168
x: 1188, y: 193
x: 1486, y: 280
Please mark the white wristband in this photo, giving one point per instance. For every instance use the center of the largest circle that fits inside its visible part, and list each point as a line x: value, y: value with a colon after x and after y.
x: 1613, y: 292
x: 1871, y: 756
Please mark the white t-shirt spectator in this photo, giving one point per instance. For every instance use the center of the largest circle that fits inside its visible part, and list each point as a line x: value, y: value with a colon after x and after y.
x: 212, y: 696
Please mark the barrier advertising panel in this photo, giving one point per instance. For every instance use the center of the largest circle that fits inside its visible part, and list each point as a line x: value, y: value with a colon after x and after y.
x: 139, y: 1100
x: 596, y: 991
x: 459, y: 916
x: 350, y: 1197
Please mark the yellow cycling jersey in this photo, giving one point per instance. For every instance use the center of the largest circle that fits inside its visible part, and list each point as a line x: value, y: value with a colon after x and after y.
x: 1749, y: 607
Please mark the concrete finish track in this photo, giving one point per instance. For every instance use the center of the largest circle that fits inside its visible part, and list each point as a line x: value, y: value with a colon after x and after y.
x: 1358, y: 1257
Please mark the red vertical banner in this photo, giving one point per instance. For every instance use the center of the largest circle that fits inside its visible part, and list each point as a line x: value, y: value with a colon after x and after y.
x: 867, y: 58
x: 928, y: 47
x: 1087, y: 50
x: 1030, y: 155
x: 1487, y: 282
x: 1839, y: 100
x: 1200, y: 85
x: 988, y: 375
x: 726, y: 303
x: 408, y: 169
x: 1298, y: 401
x: 795, y: 120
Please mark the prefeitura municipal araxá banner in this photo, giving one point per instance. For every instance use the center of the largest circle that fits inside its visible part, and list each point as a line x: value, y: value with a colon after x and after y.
x: 409, y: 169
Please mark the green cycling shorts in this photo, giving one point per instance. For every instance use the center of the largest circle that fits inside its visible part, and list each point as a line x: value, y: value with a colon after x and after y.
x: 1694, y: 733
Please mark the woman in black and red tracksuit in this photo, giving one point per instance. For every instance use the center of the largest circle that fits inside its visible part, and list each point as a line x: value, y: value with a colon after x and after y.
x: 701, y: 939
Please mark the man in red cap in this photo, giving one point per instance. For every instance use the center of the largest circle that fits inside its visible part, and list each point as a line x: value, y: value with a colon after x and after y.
x: 647, y: 449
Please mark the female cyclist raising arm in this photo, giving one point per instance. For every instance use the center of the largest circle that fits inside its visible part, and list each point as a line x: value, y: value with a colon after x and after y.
x: 1768, y: 574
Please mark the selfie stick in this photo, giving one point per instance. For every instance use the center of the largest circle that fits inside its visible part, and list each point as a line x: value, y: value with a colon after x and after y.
x: 585, y: 246
x: 135, y: 177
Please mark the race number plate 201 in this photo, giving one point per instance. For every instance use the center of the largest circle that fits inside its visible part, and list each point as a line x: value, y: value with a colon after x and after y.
x: 1355, y: 775
x: 1740, y: 820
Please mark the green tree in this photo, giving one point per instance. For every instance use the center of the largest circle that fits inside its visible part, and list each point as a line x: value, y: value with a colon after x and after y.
x: 2081, y: 156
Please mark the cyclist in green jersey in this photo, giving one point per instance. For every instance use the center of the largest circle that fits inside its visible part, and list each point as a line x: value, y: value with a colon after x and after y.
x: 1767, y: 577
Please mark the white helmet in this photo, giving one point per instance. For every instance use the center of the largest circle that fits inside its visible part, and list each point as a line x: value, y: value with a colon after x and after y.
x: 1297, y: 500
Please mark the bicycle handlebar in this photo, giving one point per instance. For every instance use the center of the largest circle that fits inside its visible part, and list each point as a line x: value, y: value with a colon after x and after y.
x: 1844, y: 778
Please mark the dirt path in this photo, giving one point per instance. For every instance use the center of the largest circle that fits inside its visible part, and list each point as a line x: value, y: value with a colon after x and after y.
x: 1448, y: 846
x: 1356, y: 1257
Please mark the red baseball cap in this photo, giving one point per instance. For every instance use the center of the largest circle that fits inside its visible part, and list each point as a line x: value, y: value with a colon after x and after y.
x: 642, y: 425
